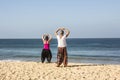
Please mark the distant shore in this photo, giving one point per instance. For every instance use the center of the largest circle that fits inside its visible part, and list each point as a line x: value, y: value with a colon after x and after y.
x: 13, y: 70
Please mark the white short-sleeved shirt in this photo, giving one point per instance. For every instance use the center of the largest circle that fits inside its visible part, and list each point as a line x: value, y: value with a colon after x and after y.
x: 61, y: 41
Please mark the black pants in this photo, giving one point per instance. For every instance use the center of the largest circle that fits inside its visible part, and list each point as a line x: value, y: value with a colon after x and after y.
x: 46, y: 54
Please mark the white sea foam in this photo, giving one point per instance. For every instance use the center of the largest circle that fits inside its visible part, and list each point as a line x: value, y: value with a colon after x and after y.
x: 10, y: 60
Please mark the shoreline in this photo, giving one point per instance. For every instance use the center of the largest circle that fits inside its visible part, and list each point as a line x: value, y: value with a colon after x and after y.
x: 77, y: 61
x: 12, y: 70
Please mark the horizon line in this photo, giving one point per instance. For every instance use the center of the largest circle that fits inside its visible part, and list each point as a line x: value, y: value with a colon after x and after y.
x: 67, y: 38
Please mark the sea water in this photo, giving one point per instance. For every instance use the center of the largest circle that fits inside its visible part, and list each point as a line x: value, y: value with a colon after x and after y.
x: 80, y: 50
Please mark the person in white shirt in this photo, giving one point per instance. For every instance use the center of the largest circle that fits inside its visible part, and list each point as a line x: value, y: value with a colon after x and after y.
x: 62, y: 34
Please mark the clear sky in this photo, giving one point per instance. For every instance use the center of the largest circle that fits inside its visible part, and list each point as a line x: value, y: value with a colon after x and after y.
x: 84, y: 18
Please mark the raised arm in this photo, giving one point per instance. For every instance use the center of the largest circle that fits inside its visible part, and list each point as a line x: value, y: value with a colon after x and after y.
x: 43, y: 37
x: 66, y: 31
x: 56, y: 32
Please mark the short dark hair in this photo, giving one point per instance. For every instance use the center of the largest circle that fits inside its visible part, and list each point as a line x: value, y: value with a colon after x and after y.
x: 61, y: 32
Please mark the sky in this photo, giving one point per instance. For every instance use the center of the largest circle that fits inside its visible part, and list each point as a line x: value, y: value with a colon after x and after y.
x: 84, y: 18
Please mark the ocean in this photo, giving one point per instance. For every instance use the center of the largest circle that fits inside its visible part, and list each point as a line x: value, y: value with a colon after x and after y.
x: 80, y: 50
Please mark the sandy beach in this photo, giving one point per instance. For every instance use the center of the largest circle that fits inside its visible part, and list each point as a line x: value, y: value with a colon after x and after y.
x: 49, y: 71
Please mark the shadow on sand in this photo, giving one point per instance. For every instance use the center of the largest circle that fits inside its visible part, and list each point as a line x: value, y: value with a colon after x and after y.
x: 85, y: 65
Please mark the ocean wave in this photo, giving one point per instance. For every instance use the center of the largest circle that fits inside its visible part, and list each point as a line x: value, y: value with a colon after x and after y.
x: 107, y: 56
x: 11, y: 60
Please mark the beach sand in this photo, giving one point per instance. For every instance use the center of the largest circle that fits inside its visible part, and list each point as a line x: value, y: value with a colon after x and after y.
x: 49, y: 71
